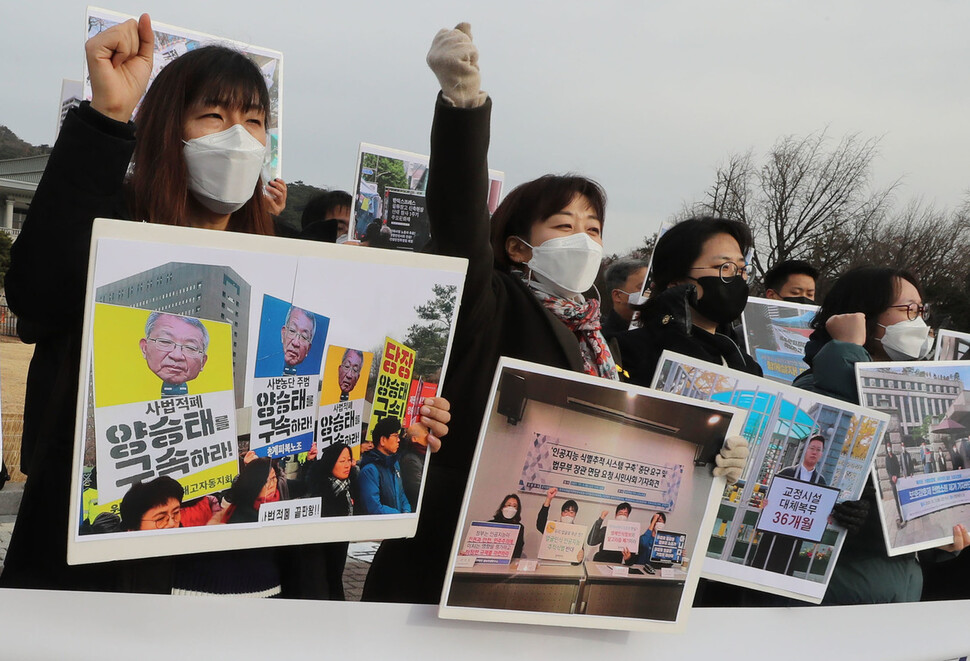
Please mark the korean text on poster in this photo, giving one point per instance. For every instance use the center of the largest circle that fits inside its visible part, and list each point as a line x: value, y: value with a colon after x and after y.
x: 393, y: 382
x: 927, y: 493
x: 562, y: 541
x: 622, y: 536
x: 491, y: 543
x: 797, y: 509
x: 291, y: 511
x: 598, y: 476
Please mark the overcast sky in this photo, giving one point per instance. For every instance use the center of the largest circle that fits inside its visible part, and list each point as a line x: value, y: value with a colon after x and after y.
x: 645, y: 97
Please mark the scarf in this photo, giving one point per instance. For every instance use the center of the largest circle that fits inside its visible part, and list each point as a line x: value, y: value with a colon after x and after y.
x: 583, y: 319
x: 341, y: 491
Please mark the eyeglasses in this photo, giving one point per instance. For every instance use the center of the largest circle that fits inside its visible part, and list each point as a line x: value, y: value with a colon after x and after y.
x: 351, y: 367
x: 727, y: 271
x: 914, y: 310
x: 292, y: 332
x: 161, y: 520
x: 168, y: 346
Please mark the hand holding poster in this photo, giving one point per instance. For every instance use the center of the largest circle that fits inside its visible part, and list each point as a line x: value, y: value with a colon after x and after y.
x: 922, y: 471
x: 610, y: 447
x: 791, y: 433
x: 189, y: 334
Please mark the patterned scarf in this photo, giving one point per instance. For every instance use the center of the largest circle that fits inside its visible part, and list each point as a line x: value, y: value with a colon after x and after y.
x: 583, y: 319
x: 341, y: 489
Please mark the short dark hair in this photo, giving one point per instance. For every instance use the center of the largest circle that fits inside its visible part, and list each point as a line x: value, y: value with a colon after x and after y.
x: 816, y: 437
x: 323, y: 205
x: 569, y: 505
x: 866, y: 289
x: 620, y: 271
x: 536, y: 200
x: 624, y: 506
x: 777, y: 275
x: 384, y: 428
x: 142, y: 496
x: 682, y: 244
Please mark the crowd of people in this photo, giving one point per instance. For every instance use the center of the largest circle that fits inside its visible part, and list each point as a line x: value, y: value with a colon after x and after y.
x: 530, y: 265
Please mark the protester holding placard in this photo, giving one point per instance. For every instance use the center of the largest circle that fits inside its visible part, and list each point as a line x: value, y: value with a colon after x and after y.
x: 597, y: 537
x: 700, y: 284
x: 871, y: 313
x: 196, y: 162
x: 528, y: 269
x: 511, y: 512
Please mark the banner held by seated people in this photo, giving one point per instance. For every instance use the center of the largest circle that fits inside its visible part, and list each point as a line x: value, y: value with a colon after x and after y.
x: 922, y: 470
x: 792, y: 434
x: 200, y: 376
x: 593, y: 573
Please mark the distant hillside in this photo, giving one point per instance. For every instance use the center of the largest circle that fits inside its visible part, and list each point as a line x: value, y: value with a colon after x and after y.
x: 13, y: 147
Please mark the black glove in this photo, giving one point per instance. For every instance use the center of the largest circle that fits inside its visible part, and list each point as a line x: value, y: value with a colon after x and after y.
x: 851, y: 514
x: 671, y: 307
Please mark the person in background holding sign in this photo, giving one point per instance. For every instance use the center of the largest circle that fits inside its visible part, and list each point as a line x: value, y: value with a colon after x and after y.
x: 381, y: 487
x: 528, y: 267
x: 597, y: 536
x: 511, y: 512
x: 871, y: 313
x: 792, y: 281
x: 175, y: 350
x: 777, y: 552
x: 196, y: 162
x: 657, y: 523
x: 567, y: 514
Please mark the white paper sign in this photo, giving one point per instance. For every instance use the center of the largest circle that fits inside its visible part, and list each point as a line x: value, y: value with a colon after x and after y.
x: 562, y: 541
x: 491, y: 543
x: 797, y: 509
x: 287, y: 511
x: 622, y: 535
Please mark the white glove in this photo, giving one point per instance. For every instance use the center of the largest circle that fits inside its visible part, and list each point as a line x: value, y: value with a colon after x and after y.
x: 732, y: 458
x: 454, y: 60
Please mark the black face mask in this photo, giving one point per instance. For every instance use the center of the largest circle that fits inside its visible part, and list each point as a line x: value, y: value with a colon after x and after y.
x: 722, y: 302
x: 799, y: 299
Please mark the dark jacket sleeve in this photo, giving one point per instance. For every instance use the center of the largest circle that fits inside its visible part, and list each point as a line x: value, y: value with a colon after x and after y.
x: 834, y: 369
x: 458, y: 203
x: 83, y: 180
x: 542, y: 518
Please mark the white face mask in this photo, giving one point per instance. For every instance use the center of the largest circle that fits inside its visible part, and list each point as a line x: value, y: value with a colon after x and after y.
x: 634, y: 298
x: 509, y: 512
x: 621, y: 517
x: 224, y: 168
x: 569, y: 262
x: 907, y: 340
x: 566, y: 519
